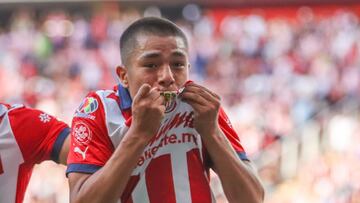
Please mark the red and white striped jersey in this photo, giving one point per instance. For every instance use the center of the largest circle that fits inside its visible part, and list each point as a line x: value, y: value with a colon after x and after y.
x: 27, y: 137
x: 174, y: 166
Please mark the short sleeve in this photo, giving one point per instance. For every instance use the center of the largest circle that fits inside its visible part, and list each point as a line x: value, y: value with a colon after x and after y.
x: 39, y: 135
x: 90, y: 146
x: 231, y: 135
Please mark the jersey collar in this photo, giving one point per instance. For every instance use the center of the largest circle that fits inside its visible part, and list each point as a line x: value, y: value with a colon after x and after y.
x: 125, y: 98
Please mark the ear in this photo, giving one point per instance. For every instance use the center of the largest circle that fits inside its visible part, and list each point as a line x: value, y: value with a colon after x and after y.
x: 122, y: 73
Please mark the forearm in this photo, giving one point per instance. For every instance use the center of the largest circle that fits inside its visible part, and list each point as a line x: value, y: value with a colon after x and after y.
x: 239, y: 182
x: 64, y: 151
x: 108, y: 183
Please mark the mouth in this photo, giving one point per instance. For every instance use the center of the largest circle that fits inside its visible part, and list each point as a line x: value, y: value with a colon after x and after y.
x: 169, y: 95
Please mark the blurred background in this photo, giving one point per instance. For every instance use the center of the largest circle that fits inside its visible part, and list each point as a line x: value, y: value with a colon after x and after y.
x: 288, y: 72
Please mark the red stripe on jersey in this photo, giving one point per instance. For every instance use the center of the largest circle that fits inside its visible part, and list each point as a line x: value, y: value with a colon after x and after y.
x: 159, y: 180
x: 1, y: 167
x: 7, y: 105
x: 114, y: 97
x: 126, y: 197
x: 199, y: 185
x: 229, y: 132
x: 24, y: 176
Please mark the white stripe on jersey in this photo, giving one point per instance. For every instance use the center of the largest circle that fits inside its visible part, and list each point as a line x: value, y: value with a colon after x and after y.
x: 140, y: 193
x: 11, y: 158
x: 115, y: 122
x: 181, y: 180
x: 213, y: 199
x: 3, y: 109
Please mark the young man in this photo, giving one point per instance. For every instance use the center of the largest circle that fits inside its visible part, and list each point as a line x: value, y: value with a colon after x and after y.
x: 27, y: 137
x: 130, y: 145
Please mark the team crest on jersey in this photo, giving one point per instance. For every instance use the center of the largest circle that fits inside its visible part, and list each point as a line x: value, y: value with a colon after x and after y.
x: 82, y: 133
x: 170, y: 106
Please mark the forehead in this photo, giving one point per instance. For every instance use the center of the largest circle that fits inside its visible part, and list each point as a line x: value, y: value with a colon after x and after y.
x: 159, y: 44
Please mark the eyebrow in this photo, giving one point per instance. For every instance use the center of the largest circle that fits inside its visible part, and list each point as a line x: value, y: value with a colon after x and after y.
x: 178, y: 53
x: 149, y: 54
x: 156, y: 54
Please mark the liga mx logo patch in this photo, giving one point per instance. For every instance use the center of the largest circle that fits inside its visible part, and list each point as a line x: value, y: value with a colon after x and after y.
x: 89, y: 105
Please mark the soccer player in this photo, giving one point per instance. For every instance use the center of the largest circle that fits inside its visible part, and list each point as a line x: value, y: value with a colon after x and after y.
x: 27, y: 137
x: 130, y: 145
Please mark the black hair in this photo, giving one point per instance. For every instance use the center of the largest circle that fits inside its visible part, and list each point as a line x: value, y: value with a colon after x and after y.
x: 148, y: 25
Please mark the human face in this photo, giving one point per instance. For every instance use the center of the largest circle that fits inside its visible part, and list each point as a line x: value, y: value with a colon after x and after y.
x: 161, y: 62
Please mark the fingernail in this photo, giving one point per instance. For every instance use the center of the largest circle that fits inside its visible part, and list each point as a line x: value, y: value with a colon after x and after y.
x: 180, y: 90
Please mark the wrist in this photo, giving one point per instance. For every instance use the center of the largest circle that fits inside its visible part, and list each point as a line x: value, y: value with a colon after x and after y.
x: 140, y: 135
x: 210, y: 132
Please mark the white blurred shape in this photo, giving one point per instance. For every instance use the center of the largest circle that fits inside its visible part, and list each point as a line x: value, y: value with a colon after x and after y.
x: 191, y: 12
x: 59, y: 28
x: 341, y: 130
x: 232, y: 26
x: 255, y: 26
x: 153, y: 11
x: 204, y: 28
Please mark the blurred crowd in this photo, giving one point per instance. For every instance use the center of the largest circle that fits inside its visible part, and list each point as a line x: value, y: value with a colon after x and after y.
x: 291, y: 87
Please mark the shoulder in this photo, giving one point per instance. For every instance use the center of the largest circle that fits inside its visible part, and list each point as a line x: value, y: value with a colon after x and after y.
x: 101, y: 113
x: 96, y: 101
x: 105, y: 98
x: 21, y: 112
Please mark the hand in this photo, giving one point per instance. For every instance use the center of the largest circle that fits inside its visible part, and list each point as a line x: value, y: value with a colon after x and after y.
x: 148, y: 110
x: 206, y: 106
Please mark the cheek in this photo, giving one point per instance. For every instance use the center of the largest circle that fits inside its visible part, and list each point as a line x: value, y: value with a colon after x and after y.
x: 181, y: 78
x: 138, y: 79
x: 146, y: 78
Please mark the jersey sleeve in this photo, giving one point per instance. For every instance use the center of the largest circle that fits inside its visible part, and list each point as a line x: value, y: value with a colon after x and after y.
x: 90, y: 145
x: 39, y: 135
x: 231, y: 135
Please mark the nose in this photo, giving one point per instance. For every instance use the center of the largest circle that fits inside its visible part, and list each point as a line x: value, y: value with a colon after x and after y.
x: 166, y: 76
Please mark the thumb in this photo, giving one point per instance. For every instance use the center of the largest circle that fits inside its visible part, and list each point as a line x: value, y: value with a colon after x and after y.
x: 143, y: 91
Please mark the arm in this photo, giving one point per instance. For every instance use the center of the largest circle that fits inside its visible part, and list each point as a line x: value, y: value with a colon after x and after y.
x: 46, y: 134
x: 238, y: 178
x: 61, y: 146
x: 239, y: 182
x: 64, y: 151
x: 108, y: 183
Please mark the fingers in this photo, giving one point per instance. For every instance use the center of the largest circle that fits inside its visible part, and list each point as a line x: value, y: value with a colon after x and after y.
x: 142, y: 92
x: 146, y: 91
x: 149, y: 96
x: 201, y: 89
x: 159, y: 100
x: 199, y: 94
x: 154, y: 93
x: 193, y: 98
